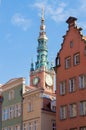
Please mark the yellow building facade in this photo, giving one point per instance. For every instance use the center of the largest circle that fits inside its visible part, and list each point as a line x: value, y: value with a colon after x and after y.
x: 37, y: 112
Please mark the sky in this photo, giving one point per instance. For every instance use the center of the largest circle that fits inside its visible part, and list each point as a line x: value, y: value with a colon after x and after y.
x: 19, y: 30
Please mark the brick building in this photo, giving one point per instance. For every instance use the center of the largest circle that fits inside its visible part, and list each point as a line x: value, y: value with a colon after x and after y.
x: 71, y: 80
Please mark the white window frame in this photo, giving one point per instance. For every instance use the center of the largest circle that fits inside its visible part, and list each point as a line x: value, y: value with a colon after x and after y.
x: 83, y: 128
x: 29, y: 126
x: 72, y: 85
x: 63, y: 112
x: 63, y: 88
x: 83, y: 108
x: 67, y: 62
x: 35, y: 125
x: 24, y: 126
x: 82, y: 81
x: 5, y: 114
x: 73, y: 110
x: 77, y: 59
x: 17, y: 110
x: 17, y: 127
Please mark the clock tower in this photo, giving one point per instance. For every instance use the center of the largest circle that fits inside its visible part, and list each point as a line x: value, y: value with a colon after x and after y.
x: 42, y: 75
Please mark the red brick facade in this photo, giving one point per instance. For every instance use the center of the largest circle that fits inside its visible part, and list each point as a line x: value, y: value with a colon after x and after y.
x: 71, y: 80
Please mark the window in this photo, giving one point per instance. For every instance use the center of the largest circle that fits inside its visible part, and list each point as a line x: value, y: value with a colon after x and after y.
x: 29, y: 106
x: 17, y: 127
x: 71, y: 44
x: 11, y: 94
x: 57, y: 61
x: 11, y: 112
x: 63, y: 112
x: 83, y: 128
x: 76, y: 59
x: 73, y: 110
x: 63, y: 88
x: 68, y: 62
x: 82, y: 81
x: 54, y: 126
x: 73, y: 129
x: 17, y: 110
x: 72, y: 85
x: 5, y: 114
x: 35, y: 125
x: 29, y: 126
x: 83, y: 108
x: 24, y: 126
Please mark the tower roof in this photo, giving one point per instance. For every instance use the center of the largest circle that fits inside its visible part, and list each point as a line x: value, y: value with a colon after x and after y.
x: 42, y: 51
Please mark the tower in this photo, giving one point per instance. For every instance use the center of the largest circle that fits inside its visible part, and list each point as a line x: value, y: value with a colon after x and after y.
x: 42, y: 75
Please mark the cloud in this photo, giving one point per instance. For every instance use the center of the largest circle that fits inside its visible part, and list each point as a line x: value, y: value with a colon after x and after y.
x: 59, y: 11
x: 0, y: 2
x: 52, y: 10
x: 21, y: 22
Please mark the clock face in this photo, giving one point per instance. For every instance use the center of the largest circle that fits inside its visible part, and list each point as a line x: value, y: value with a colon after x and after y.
x: 35, y: 80
x: 49, y: 80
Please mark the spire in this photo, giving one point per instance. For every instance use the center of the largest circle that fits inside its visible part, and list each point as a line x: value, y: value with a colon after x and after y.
x: 42, y: 47
x: 32, y: 66
x: 42, y: 33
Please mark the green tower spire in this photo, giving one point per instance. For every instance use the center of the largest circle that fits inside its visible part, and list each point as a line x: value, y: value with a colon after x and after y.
x: 42, y: 51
